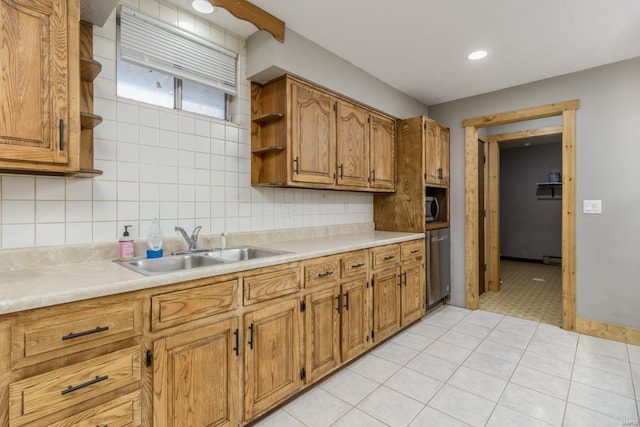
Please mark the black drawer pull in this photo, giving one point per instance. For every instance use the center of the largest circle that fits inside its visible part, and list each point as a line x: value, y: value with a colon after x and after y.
x: 346, y: 301
x: 325, y: 274
x: 73, y: 388
x: 415, y: 251
x: 357, y: 265
x: 339, y: 304
x: 73, y: 335
x: 387, y: 258
x: 251, y: 336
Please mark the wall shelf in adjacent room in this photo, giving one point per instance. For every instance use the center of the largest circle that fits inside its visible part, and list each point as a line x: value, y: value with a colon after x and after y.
x: 549, y: 190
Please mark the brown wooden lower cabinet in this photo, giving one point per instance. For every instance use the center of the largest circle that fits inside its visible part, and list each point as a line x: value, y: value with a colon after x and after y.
x: 354, y: 318
x: 120, y: 412
x: 195, y: 377
x: 412, y: 292
x: 271, y: 356
x: 322, y: 332
x: 386, y: 303
x: 212, y: 360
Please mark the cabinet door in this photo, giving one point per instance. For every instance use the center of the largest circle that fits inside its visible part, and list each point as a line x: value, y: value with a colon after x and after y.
x: 443, y: 148
x: 34, y: 80
x: 313, y: 135
x: 412, y: 292
x: 355, y: 318
x: 353, y: 145
x: 386, y: 303
x: 195, y: 377
x: 322, y: 332
x: 382, y: 152
x: 432, y: 153
x: 272, y: 356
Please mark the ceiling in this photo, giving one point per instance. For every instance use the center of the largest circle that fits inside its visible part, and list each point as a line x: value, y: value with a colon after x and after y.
x: 419, y: 47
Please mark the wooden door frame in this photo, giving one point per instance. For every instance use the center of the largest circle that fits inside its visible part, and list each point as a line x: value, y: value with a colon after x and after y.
x: 567, y: 110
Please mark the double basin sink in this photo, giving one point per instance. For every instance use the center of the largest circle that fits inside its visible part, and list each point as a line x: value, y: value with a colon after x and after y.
x: 200, y: 258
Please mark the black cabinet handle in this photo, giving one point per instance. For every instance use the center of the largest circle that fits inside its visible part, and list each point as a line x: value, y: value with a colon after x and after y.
x: 360, y: 264
x: 346, y: 301
x: 387, y: 258
x: 341, y: 171
x: 296, y: 166
x: 251, y: 336
x: 325, y: 274
x: 73, y: 388
x: 73, y: 335
x: 61, y: 129
x: 339, y: 304
x: 373, y: 175
x: 439, y: 173
x: 236, y: 348
x: 415, y: 251
x: 404, y: 276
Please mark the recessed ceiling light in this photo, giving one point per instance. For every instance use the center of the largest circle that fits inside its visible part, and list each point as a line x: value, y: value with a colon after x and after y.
x: 478, y: 54
x: 202, y: 6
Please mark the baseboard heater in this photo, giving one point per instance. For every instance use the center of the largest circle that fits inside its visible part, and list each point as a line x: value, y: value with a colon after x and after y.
x: 552, y: 260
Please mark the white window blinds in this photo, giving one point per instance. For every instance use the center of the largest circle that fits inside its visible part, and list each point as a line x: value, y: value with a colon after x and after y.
x: 148, y: 42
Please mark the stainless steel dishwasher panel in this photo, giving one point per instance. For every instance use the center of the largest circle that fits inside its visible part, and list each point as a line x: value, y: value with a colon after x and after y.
x: 438, y: 271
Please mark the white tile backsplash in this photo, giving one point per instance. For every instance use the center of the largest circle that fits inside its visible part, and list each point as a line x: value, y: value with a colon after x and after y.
x: 181, y: 167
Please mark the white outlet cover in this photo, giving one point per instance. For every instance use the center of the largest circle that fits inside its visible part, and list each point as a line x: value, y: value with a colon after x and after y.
x: 287, y: 209
x: 592, y: 206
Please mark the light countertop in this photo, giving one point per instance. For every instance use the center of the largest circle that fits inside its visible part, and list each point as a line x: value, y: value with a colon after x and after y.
x: 56, y: 284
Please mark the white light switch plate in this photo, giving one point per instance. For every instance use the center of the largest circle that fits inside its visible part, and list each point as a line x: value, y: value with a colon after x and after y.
x: 592, y: 206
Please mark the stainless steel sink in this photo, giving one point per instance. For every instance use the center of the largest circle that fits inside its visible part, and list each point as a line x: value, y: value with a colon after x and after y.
x: 168, y: 264
x: 195, y: 259
x: 242, y: 253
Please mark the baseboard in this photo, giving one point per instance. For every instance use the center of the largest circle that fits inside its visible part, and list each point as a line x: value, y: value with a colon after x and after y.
x: 610, y: 331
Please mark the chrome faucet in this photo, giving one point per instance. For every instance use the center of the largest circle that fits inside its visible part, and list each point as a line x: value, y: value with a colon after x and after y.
x: 192, y: 241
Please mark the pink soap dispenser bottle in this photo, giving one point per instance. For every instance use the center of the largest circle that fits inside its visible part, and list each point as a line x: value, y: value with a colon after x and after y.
x: 126, y: 245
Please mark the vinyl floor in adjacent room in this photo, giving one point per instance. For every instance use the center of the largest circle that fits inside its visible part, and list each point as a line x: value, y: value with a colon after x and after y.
x: 528, y: 290
x: 458, y: 367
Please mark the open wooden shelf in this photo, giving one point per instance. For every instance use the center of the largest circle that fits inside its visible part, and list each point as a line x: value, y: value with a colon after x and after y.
x: 88, y: 173
x: 89, y: 69
x: 269, y: 117
x: 262, y: 150
x: 89, y: 120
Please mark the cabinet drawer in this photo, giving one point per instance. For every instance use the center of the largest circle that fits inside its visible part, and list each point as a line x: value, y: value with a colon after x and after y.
x: 121, y: 412
x: 412, y: 250
x: 319, y: 273
x: 42, y: 395
x: 175, y: 308
x: 385, y: 255
x: 50, y: 337
x: 262, y: 287
x: 354, y: 264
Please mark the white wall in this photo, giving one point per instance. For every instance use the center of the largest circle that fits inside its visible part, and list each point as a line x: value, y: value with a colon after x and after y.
x: 268, y: 59
x: 607, y: 153
x: 184, y: 168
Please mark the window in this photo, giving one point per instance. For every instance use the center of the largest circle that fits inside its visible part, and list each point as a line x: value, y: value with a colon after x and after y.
x: 165, y: 66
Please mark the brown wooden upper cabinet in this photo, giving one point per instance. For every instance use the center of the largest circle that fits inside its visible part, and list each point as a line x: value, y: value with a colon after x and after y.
x: 313, y: 135
x: 305, y: 136
x: 437, y: 153
x: 34, y: 85
x: 40, y: 95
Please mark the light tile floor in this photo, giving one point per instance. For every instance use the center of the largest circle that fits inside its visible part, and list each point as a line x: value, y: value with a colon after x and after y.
x: 458, y: 367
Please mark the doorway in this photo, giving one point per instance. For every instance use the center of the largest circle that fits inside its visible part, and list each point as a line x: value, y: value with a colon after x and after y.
x: 567, y: 110
x: 525, y: 260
